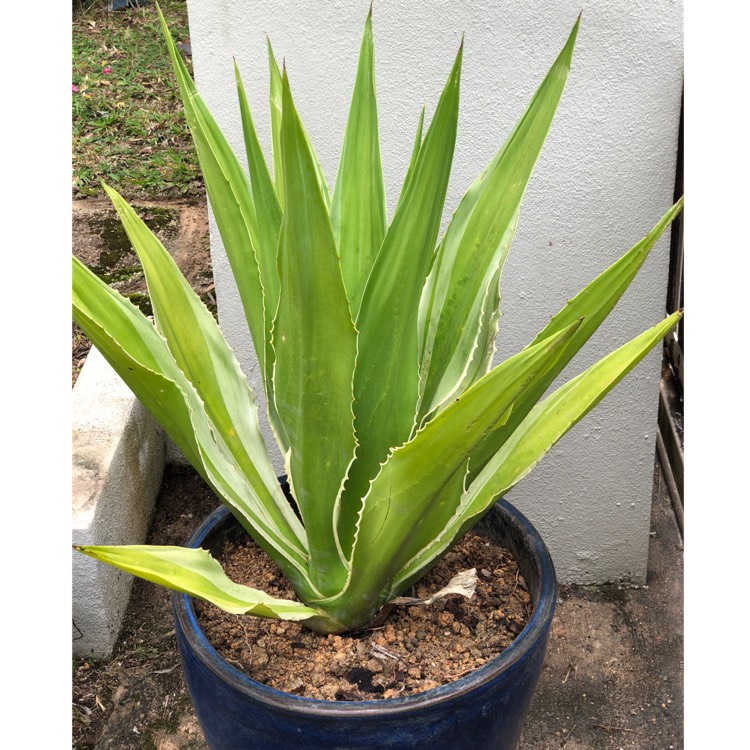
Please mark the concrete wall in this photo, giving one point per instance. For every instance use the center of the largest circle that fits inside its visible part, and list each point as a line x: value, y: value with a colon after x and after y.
x: 604, y: 178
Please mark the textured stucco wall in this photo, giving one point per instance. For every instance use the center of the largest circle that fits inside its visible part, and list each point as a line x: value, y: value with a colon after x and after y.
x: 604, y: 178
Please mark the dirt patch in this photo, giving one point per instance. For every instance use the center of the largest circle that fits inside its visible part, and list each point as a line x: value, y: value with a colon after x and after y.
x: 101, y: 243
x: 138, y: 699
x: 415, y: 649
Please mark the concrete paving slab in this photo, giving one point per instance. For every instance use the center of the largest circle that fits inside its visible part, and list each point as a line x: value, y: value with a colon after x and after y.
x: 613, y: 676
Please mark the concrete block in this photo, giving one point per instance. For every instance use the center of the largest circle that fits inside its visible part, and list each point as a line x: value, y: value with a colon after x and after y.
x: 118, y: 460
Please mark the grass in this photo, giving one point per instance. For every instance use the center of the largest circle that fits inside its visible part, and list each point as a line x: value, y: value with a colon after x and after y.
x: 128, y: 125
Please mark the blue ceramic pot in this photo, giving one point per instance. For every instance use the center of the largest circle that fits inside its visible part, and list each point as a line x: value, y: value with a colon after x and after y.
x: 482, y: 711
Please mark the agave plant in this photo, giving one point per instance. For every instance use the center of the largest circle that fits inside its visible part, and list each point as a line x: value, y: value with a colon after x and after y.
x: 374, y: 341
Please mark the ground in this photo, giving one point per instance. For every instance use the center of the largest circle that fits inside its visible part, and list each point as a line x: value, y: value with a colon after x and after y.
x: 612, y: 677
x: 137, y: 699
x: 129, y: 129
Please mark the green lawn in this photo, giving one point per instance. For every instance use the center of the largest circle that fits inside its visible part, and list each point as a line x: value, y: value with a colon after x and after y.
x: 128, y: 126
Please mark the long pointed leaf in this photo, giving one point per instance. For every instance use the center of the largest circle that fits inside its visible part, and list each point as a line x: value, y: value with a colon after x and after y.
x: 195, y: 572
x: 593, y: 304
x: 202, y: 353
x: 386, y: 380
x: 276, y: 101
x: 316, y: 348
x: 549, y: 420
x: 231, y: 197
x: 268, y: 211
x: 268, y: 215
x: 413, y: 159
x: 264, y: 195
x: 107, y: 318
x: 358, y: 212
x: 476, y: 243
x: 544, y: 425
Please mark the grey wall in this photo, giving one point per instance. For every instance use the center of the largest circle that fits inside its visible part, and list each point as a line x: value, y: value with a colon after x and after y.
x: 604, y: 178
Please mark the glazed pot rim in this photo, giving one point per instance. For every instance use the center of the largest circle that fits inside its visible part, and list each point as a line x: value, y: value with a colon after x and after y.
x: 534, y: 633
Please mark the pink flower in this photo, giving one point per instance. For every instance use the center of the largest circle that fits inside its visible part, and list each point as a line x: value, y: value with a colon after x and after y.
x: 75, y: 89
x: 107, y: 70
